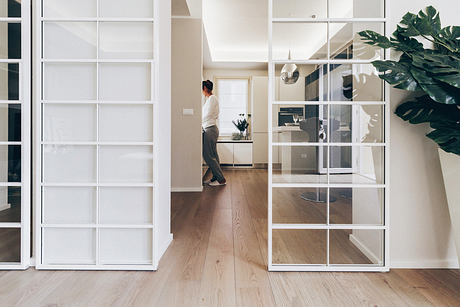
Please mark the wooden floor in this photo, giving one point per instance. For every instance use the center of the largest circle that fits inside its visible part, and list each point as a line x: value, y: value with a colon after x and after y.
x: 218, y: 258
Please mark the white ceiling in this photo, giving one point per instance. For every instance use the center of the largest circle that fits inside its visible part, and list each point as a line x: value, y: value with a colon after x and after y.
x: 237, y: 30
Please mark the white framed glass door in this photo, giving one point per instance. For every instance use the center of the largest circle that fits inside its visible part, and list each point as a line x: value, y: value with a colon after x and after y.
x: 328, y: 204
x: 98, y: 106
x: 14, y: 134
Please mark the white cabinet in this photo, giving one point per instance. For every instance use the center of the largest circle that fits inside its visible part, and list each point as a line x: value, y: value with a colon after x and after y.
x: 235, y: 153
x: 225, y: 151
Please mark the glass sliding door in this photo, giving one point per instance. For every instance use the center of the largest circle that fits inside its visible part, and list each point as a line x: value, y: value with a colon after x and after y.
x: 328, y: 173
x: 98, y: 104
x: 14, y: 134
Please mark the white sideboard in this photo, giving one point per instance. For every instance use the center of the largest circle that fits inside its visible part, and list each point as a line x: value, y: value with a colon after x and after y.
x: 235, y: 153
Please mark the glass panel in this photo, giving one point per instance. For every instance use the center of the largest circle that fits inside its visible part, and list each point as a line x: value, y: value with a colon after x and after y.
x: 10, y: 40
x: 357, y: 123
x: 129, y: 82
x: 299, y: 205
x: 346, y: 44
x: 69, y: 8
x: 311, y: 84
x: 357, y: 164
x: 126, y: 164
x: 10, y: 123
x: 10, y: 245
x: 69, y: 40
x: 126, y: 40
x: 10, y: 8
x: 9, y: 81
x: 297, y: 123
x: 64, y: 205
x: 355, y: 82
x: 69, y: 164
x: 303, y: 246
x: 358, y: 246
x: 357, y: 8
x: 359, y: 206
x: 70, y: 81
x: 126, y: 123
x: 10, y: 163
x: 123, y: 8
x: 299, y: 8
x: 126, y: 246
x: 126, y: 205
x: 299, y: 164
x: 70, y: 122
x: 10, y: 204
x: 68, y: 246
x: 305, y: 41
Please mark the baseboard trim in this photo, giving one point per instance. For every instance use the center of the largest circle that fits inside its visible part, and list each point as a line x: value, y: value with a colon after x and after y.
x: 5, y: 207
x: 426, y: 264
x: 366, y: 251
x: 183, y: 190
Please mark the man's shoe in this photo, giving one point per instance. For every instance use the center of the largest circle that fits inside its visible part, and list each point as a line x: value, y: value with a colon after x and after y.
x: 218, y: 183
x: 210, y: 180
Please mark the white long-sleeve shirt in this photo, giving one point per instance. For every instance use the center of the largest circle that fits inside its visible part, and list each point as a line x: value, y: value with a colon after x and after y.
x: 210, y: 112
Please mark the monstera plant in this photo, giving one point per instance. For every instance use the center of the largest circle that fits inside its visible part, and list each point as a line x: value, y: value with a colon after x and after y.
x: 434, y: 72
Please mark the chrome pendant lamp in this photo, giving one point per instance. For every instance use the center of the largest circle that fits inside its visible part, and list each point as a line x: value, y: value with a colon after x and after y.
x: 289, y: 72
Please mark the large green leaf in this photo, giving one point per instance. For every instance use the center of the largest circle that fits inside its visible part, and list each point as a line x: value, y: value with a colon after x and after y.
x: 397, y: 74
x: 445, y: 68
x: 376, y: 39
x: 444, y: 119
x: 438, y: 91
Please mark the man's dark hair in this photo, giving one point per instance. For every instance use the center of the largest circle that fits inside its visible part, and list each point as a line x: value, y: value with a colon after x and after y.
x: 208, y: 85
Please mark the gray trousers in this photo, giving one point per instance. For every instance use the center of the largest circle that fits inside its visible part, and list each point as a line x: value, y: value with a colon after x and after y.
x: 210, y: 155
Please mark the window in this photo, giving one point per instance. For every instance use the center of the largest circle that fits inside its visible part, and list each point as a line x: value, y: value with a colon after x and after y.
x: 233, y: 95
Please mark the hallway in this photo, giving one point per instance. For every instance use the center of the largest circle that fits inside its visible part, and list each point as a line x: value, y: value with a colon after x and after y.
x: 218, y: 258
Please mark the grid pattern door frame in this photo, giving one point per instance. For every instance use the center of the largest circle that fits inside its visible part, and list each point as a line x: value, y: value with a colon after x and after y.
x: 385, y: 144
x: 40, y: 133
x: 24, y: 102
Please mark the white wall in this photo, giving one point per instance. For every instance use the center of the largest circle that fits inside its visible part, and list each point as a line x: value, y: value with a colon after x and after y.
x: 187, y: 71
x: 163, y: 121
x: 421, y: 234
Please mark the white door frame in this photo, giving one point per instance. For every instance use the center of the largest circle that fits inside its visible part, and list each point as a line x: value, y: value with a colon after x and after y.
x: 24, y: 101
x: 158, y: 248
x: 385, y: 266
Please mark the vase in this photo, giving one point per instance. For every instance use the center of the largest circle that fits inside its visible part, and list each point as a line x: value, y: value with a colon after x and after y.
x: 450, y: 165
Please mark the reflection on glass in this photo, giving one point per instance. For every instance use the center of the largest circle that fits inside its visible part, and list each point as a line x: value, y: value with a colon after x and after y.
x: 10, y: 163
x: 300, y: 9
x: 123, y: 8
x: 358, y: 246
x: 355, y: 82
x: 69, y: 8
x: 357, y: 8
x: 346, y: 44
x: 10, y: 40
x: 63, y: 205
x: 126, y: 205
x: 358, y: 206
x: 69, y: 246
x: 70, y: 81
x: 121, y: 246
x: 10, y: 204
x: 299, y: 164
x: 10, y: 245
x: 357, y: 123
x: 70, y: 122
x: 10, y: 123
x: 69, y: 40
x: 126, y: 164
x: 299, y: 205
x: 304, y: 246
x: 69, y: 164
x: 9, y: 81
x: 306, y: 41
x: 10, y: 8
x: 126, y: 40
x: 357, y: 164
